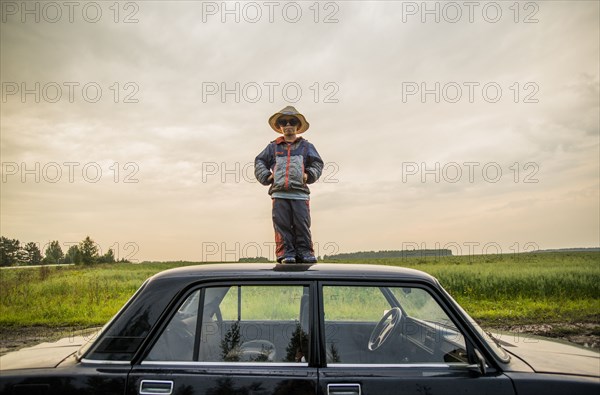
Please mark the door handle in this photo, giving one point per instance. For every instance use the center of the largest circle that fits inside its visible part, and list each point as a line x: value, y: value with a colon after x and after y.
x: 154, y: 387
x: 343, y: 389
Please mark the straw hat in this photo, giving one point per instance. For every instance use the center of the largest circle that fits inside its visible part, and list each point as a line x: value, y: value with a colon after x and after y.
x: 289, y: 110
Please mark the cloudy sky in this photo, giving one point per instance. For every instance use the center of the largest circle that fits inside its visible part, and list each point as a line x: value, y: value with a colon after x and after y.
x: 471, y: 126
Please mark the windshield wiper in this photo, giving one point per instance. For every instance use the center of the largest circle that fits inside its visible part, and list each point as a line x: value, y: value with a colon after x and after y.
x: 497, y: 341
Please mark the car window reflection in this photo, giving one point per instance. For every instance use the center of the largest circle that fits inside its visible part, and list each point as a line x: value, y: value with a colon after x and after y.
x: 388, y: 325
x: 177, y: 340
x: 248, y: 323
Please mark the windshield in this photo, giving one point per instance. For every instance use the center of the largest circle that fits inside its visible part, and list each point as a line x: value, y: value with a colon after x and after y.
x: 493, y: 345
x: 418, y: 303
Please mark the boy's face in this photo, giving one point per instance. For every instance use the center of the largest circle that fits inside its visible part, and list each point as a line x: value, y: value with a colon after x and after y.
x: 288, y: 125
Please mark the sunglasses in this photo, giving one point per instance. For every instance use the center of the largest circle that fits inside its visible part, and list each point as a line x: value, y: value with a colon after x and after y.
x: 290, y: 121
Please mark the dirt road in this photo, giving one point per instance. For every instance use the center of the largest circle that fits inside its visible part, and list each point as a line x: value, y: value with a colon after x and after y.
x: 585, y: 334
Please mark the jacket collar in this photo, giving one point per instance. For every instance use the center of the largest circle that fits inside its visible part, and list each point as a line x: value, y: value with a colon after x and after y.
x: 281, y: 140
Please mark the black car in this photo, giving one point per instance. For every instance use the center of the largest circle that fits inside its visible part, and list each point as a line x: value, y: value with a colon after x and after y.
x: 266, y: 329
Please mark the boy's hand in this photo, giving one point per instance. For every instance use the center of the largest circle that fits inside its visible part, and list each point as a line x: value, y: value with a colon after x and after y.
x: 270, y: 179
x: 305, y: 177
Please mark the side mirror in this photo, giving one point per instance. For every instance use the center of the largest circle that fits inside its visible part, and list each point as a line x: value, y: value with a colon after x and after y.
x: 479, y: 367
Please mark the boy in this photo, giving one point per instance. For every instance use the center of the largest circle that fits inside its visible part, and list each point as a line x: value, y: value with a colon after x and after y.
x: 289, y: 164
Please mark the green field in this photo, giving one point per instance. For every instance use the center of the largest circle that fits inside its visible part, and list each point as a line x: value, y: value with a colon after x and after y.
x: 500, y: 290
x: 496, y: 290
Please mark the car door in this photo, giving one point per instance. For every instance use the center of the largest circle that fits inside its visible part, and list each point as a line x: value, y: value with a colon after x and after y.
x: 244, y: 338
x: 395, y: 339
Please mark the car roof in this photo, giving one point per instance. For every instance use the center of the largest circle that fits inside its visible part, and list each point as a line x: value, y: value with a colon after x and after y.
x: 297, y: 271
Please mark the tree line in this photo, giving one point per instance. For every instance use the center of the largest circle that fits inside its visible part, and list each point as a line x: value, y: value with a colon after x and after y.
x: 13, y: 253
x: 390, y: 254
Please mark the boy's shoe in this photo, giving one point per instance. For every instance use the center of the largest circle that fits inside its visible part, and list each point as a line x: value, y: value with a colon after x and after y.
x: 280, y: 259
x: 307, y: 259
x: 288, y: 259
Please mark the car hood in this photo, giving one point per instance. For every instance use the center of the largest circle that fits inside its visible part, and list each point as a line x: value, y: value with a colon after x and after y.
x: 551, y: 356
x: 44, y: 355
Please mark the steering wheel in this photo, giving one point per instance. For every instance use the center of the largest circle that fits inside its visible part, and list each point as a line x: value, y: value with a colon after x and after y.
x: 384, y: 328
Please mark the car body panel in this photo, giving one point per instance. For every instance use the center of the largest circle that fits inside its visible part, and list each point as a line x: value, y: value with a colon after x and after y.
x: 43, y: 355
x: 553, y: 384
x: 73, y: 380
x: 400, y: 380
x: 199, y: 379
x: 551, y: 356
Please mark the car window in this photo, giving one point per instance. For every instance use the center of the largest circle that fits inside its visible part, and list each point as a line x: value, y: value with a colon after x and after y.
x: 419, y: 304
x: 245, y: 323
x: 388, y: 325
x: 177, y: 340
x: 354, y: 303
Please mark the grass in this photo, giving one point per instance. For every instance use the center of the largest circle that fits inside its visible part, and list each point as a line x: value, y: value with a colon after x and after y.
x: 70, y: 295
x: 494, y: 289
x: 518, y: 288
